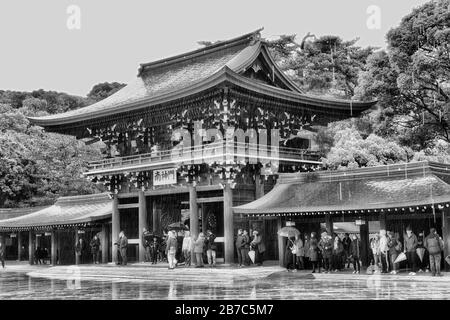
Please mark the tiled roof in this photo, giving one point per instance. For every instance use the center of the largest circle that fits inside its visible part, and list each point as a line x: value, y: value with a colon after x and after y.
x: 176, y: 77
x: 66, y: 211
x: 354, y: 190
x: 8, y: 213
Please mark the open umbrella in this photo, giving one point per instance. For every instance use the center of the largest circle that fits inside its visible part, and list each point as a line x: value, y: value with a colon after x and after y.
x: 401, y: 257
x: 288, y: 232
x: 420, y: 252
x: 177, y: 226
x: 251, y: 255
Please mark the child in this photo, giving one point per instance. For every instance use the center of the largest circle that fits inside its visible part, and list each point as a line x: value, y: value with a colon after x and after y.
x: 154, y: 248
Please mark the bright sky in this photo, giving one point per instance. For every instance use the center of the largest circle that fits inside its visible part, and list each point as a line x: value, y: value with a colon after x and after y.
x: 39, y: 51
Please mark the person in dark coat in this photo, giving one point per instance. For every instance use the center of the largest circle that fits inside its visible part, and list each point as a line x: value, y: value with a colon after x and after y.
x: 123, y: 245
x: 95, y: 248
x: 410, y: 246
x: 326, y: 247
x: 434, y: 246
x: 211, y: 248
x: 346, y: 242
x: 355, y: 253
x: 306, y: 259
x: 313, y: 252
x: 259, y: 247
x: 2, y: 254
x: 337, y: 254
x: 395, y: 248
x: 239, y: 244
x: 245, y: 248
x: 154, y: 249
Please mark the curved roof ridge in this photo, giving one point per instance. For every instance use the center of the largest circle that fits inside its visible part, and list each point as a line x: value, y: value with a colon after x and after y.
x: 219, y: 45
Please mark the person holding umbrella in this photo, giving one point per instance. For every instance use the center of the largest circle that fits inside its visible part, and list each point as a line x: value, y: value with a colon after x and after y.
x: 171, y: 249
x: 258, y: 244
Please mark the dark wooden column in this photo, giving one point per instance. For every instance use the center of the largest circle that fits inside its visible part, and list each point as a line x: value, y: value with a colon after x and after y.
x: 155, y: 216
x: 329, y: 224
x: 77, y: 237
x: 104, y: 243
x: 383, y: 224
x: 364, y: 233
x: 193, y: 216
x: 19, y: 246
x: 281, y: 244
x: 228, y: 223
x: 446, y: 234
x: 142, y: 223
x: 115, y: 227
x: 31, y: 242
x: 54, y: 247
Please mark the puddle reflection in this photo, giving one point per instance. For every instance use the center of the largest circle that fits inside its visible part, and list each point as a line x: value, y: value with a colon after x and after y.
x: 20, y: 286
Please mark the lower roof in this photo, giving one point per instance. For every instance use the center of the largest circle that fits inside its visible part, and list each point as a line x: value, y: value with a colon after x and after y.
x: 381, y: 188
x: 76, y: 210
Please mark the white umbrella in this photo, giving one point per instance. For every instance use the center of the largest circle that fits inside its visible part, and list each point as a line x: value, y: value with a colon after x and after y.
x: 251, y: 254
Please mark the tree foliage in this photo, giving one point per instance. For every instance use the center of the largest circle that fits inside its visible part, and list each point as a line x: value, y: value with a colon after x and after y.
x: 103, y: 90
x: 412, y: 79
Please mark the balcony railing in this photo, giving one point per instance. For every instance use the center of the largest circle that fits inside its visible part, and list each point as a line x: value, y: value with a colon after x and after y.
x: 207, y: 153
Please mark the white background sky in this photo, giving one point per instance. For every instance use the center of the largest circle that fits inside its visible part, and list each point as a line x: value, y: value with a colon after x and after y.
x: 38, y: 51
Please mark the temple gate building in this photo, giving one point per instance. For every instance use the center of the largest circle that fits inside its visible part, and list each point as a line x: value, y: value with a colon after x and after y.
x: 197, y: 134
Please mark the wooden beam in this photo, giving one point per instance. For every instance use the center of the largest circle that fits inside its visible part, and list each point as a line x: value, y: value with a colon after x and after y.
x: 128, y: 206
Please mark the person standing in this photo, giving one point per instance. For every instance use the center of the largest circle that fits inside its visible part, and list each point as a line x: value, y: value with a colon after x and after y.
x: 434, y: 246
x: 306, y: 252
x: 80, y: 248
x: 259, y: 246
x: 95, y: 248
x: 187, y: 248
x: 376, y: 254
x: 395, y: 248
x: 384, y: 249
x: 422, y: 262
x: 313, y: 252
x: 300, y: 253
x: 2, y: 254
x: 239, y: 245
x: 171, y: 249
x: 154, y: 250
x: 289, y: 258
x: 410, y: 246
x: 355, y: 253
x: 245, y: 248
x: 337, y: 253
x: 346, y: 242
x: 123, y: 245
x: 211, y: 248
x: 146, y: 244
x: 198, y: 250
x: 326, y: 246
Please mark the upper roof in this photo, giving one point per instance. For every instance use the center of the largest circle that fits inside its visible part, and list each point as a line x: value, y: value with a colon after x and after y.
x: 186, y: 74
x: 73, y: 210
x: 391, y: 187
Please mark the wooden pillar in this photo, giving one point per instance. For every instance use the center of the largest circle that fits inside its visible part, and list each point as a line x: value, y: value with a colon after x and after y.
x: 228, y: 223
x: 446, y: 234
x: 142, y: 223
x: 77, y: 237
x: 19, y: 246
x: 115, y: 228
x: 193, y: 216
x: 281, y: 244
x: 54, y: 247
x: 329, y: 224
x: 31, y: 242
x: 259, y: 186
x: 104, y: 243
x: 383, y: 224
x: 155, y: 216
x: 364, y: 233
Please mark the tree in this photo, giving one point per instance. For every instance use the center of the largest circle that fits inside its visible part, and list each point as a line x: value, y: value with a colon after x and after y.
x: 324, y: 65
x: 412, y: 79
x: 103, y: 90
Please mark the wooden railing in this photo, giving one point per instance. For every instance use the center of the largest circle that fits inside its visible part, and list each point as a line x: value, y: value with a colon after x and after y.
x: 208, y: 153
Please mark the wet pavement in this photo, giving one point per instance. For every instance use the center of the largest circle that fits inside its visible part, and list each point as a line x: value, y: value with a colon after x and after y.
x: 219, y: 284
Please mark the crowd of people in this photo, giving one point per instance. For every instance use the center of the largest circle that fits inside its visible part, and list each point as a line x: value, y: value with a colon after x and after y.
x: 335, y: 253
